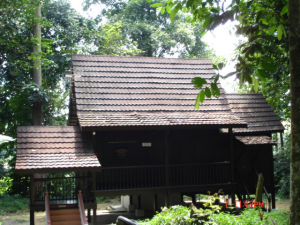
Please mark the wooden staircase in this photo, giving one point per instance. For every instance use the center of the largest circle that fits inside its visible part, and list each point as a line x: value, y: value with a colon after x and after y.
x: 71, y: 215
x: 65, y: 216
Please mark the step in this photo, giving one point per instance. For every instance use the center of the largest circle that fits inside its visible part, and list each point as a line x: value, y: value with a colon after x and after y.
x: 70, y: 222
x: 64, y: 211
x: 67, y: 217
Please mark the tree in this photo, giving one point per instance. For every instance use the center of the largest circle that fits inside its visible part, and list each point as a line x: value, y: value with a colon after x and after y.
x: 64, y: 32
x: 260, y: 20
x: 153, y: 32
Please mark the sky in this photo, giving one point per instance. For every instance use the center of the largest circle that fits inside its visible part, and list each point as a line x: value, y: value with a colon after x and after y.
x: 220, y: 40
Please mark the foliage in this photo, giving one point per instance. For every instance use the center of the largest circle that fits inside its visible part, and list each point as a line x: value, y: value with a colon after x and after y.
x: 251, y: 217
x: 181, y: 215
x: 282, y: 166
x: 64, y: 31
x: 154, y: 34
x: 114, y: 43
x: 174, y: 215
x: 5, y: 184
x: 264, y: 23
x: 12, y: 204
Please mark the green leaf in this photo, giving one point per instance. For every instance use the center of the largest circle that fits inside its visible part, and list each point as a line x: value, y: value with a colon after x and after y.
x: 168, y: 8
x: 280, y: 31
x: 197, y: 102
x: 206, y: 22
x: 207, y: 92
x: 202, y: 96
x: 284, y: 9
x: 189, y: 3
x: 269, y: 66
x: 215, y: 90
x: 272, y: 29
x: 174, y: 11
x: 157, y: 4
x: 198, y: 82
x: 149, y: 1
x: 216, y: 78
x: 162, y: 10
x: 221, y: 66
x: 255, y: 84
x: 262, y: 74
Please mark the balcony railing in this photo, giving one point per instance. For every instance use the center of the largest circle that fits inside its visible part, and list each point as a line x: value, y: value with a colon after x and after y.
x: 63, y: 188
x: 112, y: 178
x: 197, y: 174
x: 130, y: 177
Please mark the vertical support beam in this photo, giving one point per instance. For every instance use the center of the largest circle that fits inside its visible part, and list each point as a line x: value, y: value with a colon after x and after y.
x: 131, y: 200
x: 32, y: 219
x: 94, y: 186
x: 94, y: 216
x: 167, y: 160
x: 281, y: 140
x: 167, y: 169
x: 194, y: 200
x: 155, y: 203
x: 89, y: 215
x: 167, y: 199
x: 232, y: 163
x: 139, y: 202
x: 272, y: 180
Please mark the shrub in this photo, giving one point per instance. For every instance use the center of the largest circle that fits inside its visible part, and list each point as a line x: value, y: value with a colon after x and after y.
x: 12, y: 204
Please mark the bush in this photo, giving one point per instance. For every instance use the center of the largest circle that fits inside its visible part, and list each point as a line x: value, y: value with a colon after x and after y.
x: 180, y: 215
x: 12, y: 204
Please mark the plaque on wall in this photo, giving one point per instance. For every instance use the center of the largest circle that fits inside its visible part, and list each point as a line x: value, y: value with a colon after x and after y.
x: 121, y: 152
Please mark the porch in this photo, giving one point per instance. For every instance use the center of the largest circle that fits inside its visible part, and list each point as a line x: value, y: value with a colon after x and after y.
x: 159, y: 176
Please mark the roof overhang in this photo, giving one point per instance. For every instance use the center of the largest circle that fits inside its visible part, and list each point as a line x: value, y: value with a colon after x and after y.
x: 29, y: 163
x: 159, y: 121
x: 256, y: 140
x: 42, y: 149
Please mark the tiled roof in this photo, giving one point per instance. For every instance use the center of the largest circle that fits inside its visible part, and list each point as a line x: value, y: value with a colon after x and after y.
x: 256, y: 111
x: 112, y: 91
x: 159, y: 119
x: 42, y: 148
x: 256, y: 140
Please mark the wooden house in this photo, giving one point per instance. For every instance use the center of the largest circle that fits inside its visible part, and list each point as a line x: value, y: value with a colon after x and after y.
x: 135, y: 116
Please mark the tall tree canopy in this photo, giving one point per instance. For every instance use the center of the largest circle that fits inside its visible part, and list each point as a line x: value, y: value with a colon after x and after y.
x: 153, y: 32
x: 63, y: 33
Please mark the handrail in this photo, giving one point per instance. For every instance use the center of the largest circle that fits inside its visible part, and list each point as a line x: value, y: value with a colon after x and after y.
x: 153, y: 166
x: 81, y: 209
x: 47, y: 209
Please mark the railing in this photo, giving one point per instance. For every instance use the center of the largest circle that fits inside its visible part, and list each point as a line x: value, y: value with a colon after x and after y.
x: 83, y: 218
x: 62, y: 188
x: 47, y: 209
x: 130, y: 177
x: 112, y: 178
x: 197, y: 174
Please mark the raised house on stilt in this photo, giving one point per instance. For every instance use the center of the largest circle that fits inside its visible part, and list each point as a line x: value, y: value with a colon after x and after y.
x: 133, y: 131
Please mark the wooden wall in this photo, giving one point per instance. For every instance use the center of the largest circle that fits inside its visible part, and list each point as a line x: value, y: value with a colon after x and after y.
x: 185, y: 146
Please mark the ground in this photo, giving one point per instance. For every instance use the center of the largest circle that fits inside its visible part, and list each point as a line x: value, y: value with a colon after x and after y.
x: 22, y: 218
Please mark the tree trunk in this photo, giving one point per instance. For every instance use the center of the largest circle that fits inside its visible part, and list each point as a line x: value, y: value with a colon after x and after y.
x: 294, y: 50
x: 37, y: 109
x: 259, y: 188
